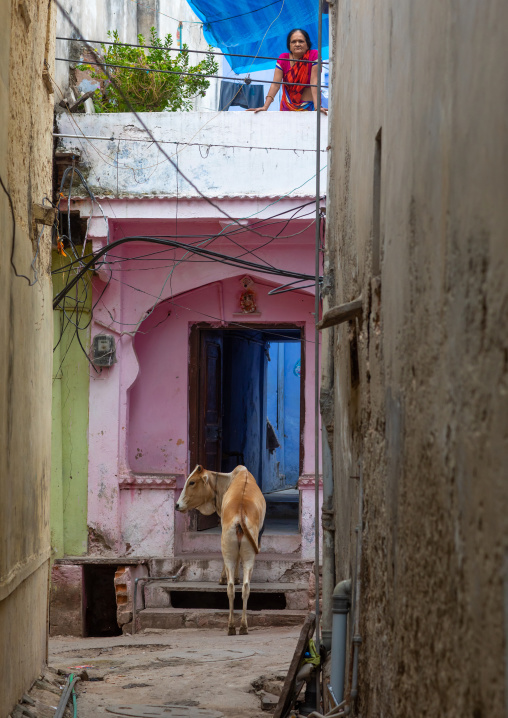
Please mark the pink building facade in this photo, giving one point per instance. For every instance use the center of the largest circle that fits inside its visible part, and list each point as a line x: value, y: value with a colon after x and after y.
x: 192, y: 334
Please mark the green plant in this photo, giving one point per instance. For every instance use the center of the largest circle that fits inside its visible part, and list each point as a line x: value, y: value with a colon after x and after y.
x: 148, y: 91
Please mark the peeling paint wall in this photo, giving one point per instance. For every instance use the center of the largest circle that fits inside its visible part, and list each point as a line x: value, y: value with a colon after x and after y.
x: 421, y: 383
x: 234, y: 167
x: 26, y: 115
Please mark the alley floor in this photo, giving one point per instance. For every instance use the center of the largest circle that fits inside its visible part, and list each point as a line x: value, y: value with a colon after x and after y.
x: 200, y: 667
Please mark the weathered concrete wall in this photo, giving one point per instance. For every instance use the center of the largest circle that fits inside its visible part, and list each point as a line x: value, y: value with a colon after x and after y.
x: 234, y: 167
x: 94, y: 19
x: 421, y: 384
x: 26, y: 39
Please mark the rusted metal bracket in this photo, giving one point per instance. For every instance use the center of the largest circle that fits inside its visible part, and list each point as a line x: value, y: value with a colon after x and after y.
x: 341, y: 313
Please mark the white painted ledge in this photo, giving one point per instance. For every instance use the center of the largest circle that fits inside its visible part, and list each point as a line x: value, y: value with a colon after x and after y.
x: 235, y: 167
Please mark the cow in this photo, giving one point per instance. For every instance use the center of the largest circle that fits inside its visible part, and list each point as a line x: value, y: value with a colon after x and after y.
x: 238, y: 500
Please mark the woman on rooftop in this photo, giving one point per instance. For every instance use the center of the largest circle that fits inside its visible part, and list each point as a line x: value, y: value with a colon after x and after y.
x: 295, y: 76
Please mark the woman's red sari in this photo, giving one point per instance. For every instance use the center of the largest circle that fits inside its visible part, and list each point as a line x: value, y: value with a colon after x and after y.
x: 299, y: 73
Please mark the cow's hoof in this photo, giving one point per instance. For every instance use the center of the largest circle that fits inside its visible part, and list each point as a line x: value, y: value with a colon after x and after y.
x: 244, y: 631
x: 232, y: 631
x: 222, y: 581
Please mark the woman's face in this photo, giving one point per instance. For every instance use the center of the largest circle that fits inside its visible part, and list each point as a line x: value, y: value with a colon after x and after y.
x: 298, y: 44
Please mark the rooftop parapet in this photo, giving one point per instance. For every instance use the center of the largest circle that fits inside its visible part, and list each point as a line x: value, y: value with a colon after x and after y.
x: 229, y: 154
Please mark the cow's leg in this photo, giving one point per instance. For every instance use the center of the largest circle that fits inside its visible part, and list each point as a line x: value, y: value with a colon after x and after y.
x: 231, y: 596
x: 229, y: 545
x: 223, y: 580
x: 248, y: 557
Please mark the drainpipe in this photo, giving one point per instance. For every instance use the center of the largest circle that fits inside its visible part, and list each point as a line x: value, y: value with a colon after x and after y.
x: 340, y: 604
x: 357, y: 639
x: 326, y: 408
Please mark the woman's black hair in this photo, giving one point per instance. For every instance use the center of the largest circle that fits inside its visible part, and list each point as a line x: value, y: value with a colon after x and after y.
x: 304, y: 33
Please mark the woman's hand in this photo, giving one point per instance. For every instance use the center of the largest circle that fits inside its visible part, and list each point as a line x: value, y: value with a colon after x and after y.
x: 257, y: 109
x: 324, y: 110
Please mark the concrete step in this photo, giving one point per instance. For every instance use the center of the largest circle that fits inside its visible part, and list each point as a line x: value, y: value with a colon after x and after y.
x: 171, y: 618
x: 209, y: 595
x: 199, y: 541
x: 269, y: 567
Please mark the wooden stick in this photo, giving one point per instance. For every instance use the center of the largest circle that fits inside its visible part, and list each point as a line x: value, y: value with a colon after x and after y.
x: 341, y: 313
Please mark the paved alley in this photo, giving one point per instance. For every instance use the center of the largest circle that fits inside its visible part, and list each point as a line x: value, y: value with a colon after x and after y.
x: 204, y: 668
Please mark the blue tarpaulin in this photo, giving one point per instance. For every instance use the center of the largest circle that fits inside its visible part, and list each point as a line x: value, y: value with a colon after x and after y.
x: 257, y: 27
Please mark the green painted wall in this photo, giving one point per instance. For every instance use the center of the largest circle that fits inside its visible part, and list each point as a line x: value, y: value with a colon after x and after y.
x: 69, y: 448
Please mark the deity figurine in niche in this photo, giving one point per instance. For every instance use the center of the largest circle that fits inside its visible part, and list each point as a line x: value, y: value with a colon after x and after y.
x: 248, y: 302
x: 248, y: 297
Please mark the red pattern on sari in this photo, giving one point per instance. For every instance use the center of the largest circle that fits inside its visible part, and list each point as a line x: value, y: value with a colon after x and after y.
x: 300, y: 74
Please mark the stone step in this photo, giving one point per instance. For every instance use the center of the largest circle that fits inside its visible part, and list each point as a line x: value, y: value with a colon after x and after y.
x: 199, y: 541
x: 207, y: 594
x: 171, y: 618
x: 269, y: 567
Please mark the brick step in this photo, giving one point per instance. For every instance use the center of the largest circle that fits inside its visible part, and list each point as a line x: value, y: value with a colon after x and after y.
x: 269, y: 567
x: 207, y: 594
x: 171, y: 618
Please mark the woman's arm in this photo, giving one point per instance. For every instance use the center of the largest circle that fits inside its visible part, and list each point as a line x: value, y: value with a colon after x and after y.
x: 314, y: 81
x: 274, y: 88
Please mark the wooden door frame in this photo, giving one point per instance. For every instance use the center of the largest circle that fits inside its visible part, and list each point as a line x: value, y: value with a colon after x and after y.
x: 194, y: 379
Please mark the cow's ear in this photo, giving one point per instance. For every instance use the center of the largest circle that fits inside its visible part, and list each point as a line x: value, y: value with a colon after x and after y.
x: 199, y: 468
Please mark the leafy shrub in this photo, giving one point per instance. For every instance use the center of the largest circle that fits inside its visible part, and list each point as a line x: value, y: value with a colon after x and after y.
x: 148, y: 91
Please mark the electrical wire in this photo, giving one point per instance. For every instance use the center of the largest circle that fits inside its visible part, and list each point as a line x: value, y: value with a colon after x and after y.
x: 188, y: 144
x: 143, y: 124
x: 238, y: 230
x: 170, y: 300
x: 13, y: 244
x: 179, y: 49
x: 245, y: 80
x: 223, y: 258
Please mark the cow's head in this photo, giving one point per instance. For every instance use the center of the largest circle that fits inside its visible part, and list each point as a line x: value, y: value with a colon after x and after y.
x: 197, y: 493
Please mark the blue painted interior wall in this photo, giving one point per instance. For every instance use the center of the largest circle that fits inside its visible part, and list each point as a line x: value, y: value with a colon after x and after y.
x: 256, y: 389
x: 282, y: 467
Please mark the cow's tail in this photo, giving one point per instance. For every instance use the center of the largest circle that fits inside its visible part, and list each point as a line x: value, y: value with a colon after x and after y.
x: 245, y: 529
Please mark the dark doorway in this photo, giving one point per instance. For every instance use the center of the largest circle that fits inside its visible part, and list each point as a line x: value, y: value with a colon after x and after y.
x: 100, y: 601
x: 246, y: 406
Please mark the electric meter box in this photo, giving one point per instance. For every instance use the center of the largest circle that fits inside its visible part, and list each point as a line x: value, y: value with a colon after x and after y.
x: 104, y: 350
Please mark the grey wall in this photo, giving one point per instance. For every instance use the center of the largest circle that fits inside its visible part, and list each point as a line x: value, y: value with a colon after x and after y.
x: 421, y: 383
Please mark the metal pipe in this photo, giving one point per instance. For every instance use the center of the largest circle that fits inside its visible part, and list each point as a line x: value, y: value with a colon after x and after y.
x: 357, y: 639
x: 341, y: 605
x: 316, y: 346
x: 146, y: 579
x: 64, y: 698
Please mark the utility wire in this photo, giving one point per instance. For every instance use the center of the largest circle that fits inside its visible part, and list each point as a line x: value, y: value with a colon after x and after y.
x: 143, y: 124
x: 223, y: 258
x: 179, y: 49
x: 245, y: 80
x: 188, y: 144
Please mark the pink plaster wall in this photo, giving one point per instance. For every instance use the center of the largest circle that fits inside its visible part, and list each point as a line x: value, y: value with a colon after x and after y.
x: 139, y: 407
x: 158, y: 410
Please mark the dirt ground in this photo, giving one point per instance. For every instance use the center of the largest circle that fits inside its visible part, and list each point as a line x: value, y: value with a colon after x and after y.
x: 200, y: 667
